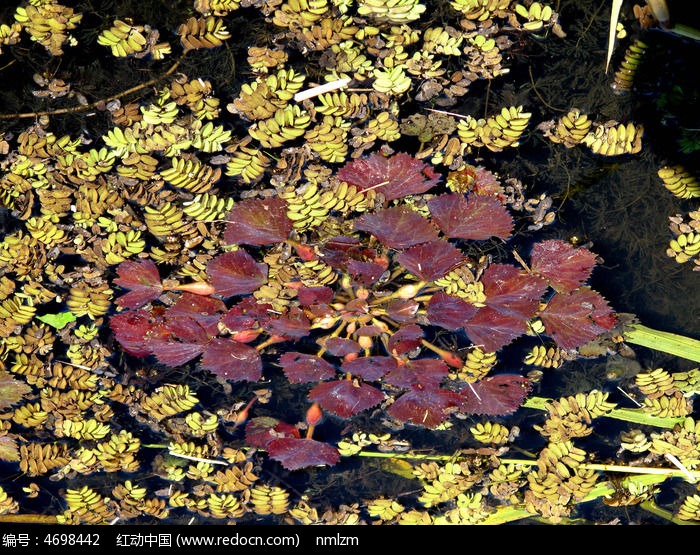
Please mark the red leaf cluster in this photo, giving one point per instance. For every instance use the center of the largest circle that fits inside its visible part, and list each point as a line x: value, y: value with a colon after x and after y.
x: 574, y: 315
x: 223, y: 321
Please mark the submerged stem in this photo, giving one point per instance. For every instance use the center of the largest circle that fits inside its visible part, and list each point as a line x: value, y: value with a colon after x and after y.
x: 84, y: 107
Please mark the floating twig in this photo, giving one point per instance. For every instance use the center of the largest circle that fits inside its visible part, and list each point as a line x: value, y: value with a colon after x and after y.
x: 84, y: 107
x: 672, y: 458
x: 321, y: 89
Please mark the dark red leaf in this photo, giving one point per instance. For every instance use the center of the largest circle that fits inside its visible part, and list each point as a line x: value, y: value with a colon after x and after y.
x: 338, y: 250
x: 370, y: 330
x: 186, y: 329
x: 206, y: 311
x: 419, y: 373
x: 512, y: 291
x: 405, y: 339
x: 394, y: 177
x: 573, y: 319
x: 263, y: 430
x: 492, y: 330
x: 245, y: 315
x: 564, y: 266
x: 345, y: 398
x: 291, y: 324
x: 295, y: 454
x: 431, y: 260
x: 397, y: 227
x: 449, y: 312
x: 473, y: 217
x: 486, y: 183
x: 339, y: 346
x: 236, y: 273
x: 232, y: 360
x: 179, y: 340
x: 143, y: 281
x: 130, y: 328
x: 175, y: 353
x: 302, y: 368
x: 365, y: 273
x: 309, y: 296
x: 402, y: 311
x: 498, y: 395
x: 428, y: 408
x: 322, y: 312
x: 370, y: 368
x: 258, y: 222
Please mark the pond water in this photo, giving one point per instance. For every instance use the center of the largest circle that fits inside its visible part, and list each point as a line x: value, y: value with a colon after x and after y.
x: 616, y: 206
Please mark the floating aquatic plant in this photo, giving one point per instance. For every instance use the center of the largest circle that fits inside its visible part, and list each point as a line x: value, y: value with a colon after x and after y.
x: 416, y: 250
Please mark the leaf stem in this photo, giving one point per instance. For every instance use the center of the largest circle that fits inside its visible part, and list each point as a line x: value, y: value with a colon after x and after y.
x: 638, y: 416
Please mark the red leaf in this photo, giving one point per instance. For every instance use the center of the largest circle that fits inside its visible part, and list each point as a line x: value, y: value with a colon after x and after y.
x: 179, y: 340
x: 573, y: 319
x: 292, y: 324
x: 498, y: 395
x: 405, y: 339
x: 143, y: 281
x: 431, y: 260
x: 232, y: 360
x: 338, y: 250
x: 339, y: 346
x: 207, y: 311
x: 176, y: 353
x: 512, y: 291
x: 308, y: 296
x: 564, y: 266
x: 394, y: 177
x: 263, y: 430
x: 258, y: 222
x: 345, y: 398
x: 486, y: 183
x: 365, y: 273
x: 302, y: 368
x: 186, y: 328
x: 428, y: 408
x: 130, y: 328
x: 402, y: 311
x: 246, y: 315
x: 236, y: 273
x: 370, y: 368
x: 512, y: 299
x: 449, y: 312
x: 473, y: 217
x: 422, y: 373
x: 397, y: 227
x: 492, y: 330
x: 295, y: 454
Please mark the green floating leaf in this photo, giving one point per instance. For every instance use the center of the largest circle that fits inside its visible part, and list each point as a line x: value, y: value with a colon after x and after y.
x: 670, y: 343
x: 58, y: 321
